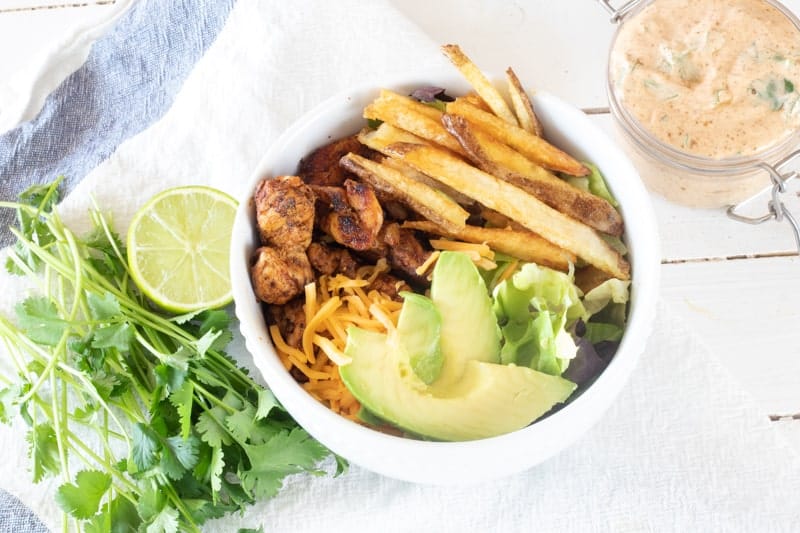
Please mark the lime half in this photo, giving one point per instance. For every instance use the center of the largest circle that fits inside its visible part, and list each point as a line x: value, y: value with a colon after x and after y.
x: 178, y: 248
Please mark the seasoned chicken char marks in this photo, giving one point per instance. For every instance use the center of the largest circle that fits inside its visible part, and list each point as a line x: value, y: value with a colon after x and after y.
x: 285, y: 212
x: 404, y: 251
x: 331, y: 260
x: 321, y: 167
x: 351, y: 214
x: 285, y: 217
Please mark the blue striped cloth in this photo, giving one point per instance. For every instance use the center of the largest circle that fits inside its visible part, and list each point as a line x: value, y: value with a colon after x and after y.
x: 129, y: 80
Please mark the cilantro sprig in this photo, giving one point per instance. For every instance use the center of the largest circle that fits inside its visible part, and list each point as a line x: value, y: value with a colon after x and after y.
x: 150, y: 424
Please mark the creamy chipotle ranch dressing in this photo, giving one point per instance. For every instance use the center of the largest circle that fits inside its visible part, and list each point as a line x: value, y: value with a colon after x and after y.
x: 712, y: 78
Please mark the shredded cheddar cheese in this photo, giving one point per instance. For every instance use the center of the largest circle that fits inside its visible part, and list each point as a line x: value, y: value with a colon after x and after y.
x: 481, y: 254
x: 333, y: 304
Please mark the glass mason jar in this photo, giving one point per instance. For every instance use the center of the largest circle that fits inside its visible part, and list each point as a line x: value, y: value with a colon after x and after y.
x: 688, y: 178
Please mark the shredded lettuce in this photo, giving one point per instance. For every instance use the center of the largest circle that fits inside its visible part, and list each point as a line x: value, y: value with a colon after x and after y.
x: 549, y: 325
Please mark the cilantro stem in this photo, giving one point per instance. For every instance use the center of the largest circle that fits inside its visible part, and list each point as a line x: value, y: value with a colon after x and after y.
x: 212, y: 397
x: 59, y: 431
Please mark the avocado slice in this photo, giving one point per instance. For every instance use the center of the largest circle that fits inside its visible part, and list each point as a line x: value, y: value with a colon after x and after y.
x: 489, y: 399
x: 469, y: 326
x: 418, y: 334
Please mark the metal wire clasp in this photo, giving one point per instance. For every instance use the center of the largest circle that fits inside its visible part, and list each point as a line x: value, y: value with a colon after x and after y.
x: 776, y: 209
x: 618, y: 13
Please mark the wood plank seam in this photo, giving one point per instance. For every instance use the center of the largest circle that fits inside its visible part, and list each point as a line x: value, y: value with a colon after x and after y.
x: 737, y: 257
x: 57, y: 6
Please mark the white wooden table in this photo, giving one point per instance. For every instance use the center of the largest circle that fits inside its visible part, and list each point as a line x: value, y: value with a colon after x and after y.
x: 737, y: 285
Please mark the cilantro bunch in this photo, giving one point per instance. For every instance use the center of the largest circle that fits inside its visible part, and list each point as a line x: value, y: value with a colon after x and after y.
x: 150, y: 424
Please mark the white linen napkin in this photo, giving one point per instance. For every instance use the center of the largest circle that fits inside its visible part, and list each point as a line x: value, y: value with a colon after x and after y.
x: 682, y: 448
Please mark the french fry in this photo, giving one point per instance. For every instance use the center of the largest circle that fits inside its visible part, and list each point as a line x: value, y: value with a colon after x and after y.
x: 589, y: 277
x: 482, y: 86
x: 524, y: 245
x: 534, y: 148
x: 515, y: 203
x: 499, y: 220
x: 504, y: 162
x: 522, y: 105
x: 408, y: 114
x: 428, y: 202
x: 386, y: 134
x: 414, y: 174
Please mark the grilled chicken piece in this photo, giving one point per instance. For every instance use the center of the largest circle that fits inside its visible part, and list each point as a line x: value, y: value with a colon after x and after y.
x: 278, y: 275
x: 332, y: 260
x: 389, y: 285
x: 291, y: 320
x: 351, y: 215
x: 285, y: 212
x: 405, y: 251
x: 321, y: 167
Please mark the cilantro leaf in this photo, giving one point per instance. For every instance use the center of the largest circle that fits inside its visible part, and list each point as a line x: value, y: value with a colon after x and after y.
x: 103, y: 308
x: 183, y: 399
x: 82, y: 499
x: 7, y: 396
x: 204, y: 343
x: 216, y: 469
x: 288, y: 452
x: 43, y: 450
x: 43, y: 196
x: 151, y: 502
x: 210, y: 430
x: 266, y: 402
x: 241, y: 423
x: 144, y: 448
x: 179, y: 455
x: 214, y: 319
x: 38, y: 318
x: 119, y: 516
x: 166, y: 521
x: 170, y: 377
x: 117, y: 336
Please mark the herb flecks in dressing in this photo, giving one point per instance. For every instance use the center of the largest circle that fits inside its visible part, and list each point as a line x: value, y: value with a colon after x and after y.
x: 714, y: 78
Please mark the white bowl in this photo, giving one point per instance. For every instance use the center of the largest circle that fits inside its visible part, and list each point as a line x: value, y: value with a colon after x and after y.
x: 449, y: 463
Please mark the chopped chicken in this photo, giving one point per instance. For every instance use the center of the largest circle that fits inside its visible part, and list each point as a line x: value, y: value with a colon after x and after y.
x: 332, y: 260
x: 285, y: 212
x: 291, y: 320
x: 351, y: 215
x: 321, y: 167
x: 279, y: 275
x: 405, y: 251
x: 389, y: 285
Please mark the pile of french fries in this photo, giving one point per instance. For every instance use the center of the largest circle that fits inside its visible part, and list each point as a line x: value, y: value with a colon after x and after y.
x: 483, y: 150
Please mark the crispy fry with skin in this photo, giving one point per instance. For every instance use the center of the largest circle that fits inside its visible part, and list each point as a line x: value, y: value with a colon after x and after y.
x: 516, y: 204
x: 480, y: 83
x: 428, y: 202
x: 534, y: 148
x: 415, y: 175
x: 386, y: 134
x: 522, y: 105
x: 504, y: 162
x: 412, y: 116
x: 524, y: 245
